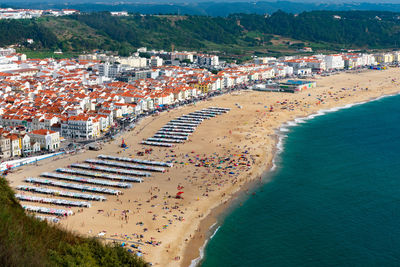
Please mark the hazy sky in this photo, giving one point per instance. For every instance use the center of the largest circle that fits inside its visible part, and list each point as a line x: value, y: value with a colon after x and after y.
x: 193, y: 1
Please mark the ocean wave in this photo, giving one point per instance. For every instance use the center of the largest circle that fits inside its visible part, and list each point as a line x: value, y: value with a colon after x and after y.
x: 280, y: 144
x: 300, y: 120
x: 196, y: 261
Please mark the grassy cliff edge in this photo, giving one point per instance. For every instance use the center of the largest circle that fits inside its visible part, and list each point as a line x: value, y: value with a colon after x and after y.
x: 26, y: 241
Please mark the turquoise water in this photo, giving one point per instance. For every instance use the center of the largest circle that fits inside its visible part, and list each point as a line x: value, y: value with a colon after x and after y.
x: 334, y: 198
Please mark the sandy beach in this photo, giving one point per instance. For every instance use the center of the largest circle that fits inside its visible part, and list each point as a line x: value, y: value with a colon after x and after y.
x: 224, y: 155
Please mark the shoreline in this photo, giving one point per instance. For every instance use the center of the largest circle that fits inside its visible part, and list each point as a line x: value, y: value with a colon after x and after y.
x: 214, y: 220
x: 209, y: 193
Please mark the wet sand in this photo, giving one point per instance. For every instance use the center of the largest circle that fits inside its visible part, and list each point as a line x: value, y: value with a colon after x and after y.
x: 223, y: 155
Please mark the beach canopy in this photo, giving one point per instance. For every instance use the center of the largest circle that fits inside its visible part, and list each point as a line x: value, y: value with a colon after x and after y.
x: 156, y: 143
x: 126, y: 165
x: 73, y: 186
x: 39, y: 209
x: 101, y: 175
x: 164, y: 140
x: 54, y: 201
x: 61, y: 176
x: 109, y: 169
x: 54, y: 192
x: 170, y: 136
x: 140, y: 161
x: 174, y: 131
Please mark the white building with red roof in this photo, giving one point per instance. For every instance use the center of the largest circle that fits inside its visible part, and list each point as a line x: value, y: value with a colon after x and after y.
x: 48, y: 140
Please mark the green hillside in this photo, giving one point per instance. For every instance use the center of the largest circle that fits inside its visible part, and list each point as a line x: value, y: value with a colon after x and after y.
x: 237, y: 34
x: 26, y: 241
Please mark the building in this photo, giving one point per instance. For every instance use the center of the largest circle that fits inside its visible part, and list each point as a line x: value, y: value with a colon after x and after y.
x: 133, y: 62
x: 181, y: 56
x: 156, y: 61
x: 25, y: 144
x: 7, y: 51
x: 5, y: 148
x: 334, y: 62
x: 48, y: 140
x: 396, y: 56
x: 384, y: 58
x: 316, y: 65
x: 120, y: 13
x: 109, y: 70
x: 204, y: 87
x: 303, y: 71
x: 264, y: 60
x: 15, y: 145
x: 207, y: 60
x: 142, y: 50
x: 81, y: 126
x: 130, y: 76
x: 306, y: 49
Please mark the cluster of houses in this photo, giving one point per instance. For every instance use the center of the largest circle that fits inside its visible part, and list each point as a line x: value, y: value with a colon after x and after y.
x: 17, y: 142
x: 10, y: 13
x: 112, y: 65
x: 45, y: 100
x: 306, y: 65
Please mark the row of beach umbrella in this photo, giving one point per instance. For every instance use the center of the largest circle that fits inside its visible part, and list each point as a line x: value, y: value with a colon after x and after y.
x: 140, y: 161
x: 55, y: 201
x: 100, y: 175
x: 61, y: 176
x: 54, y: 192
x: 178, y: 130
x: 177, y: 133
x: 125, y: 165
x: 80, y: 187
x: 108, y: 169
x: 39, y: 209
x: 156, y: 144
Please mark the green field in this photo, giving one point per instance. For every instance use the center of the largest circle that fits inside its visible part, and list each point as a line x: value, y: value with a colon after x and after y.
x: 47, y: 54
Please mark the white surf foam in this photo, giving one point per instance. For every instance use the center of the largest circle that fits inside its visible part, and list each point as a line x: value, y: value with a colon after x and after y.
x: 196, y: 261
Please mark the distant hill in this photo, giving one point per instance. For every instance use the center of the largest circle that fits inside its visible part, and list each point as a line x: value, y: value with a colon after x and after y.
x: 26, y: 241
x: 208, y: 8
x: 236, y: 34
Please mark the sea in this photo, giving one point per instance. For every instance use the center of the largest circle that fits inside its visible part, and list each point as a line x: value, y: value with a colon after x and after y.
x: 332, y: 198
